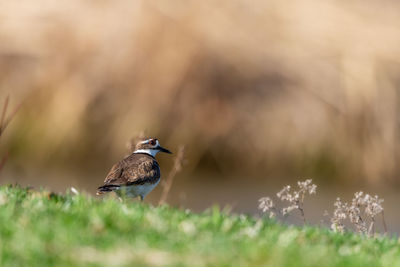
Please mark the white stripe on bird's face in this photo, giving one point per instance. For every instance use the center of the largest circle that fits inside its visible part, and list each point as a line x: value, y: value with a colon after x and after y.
x: 152, y: 150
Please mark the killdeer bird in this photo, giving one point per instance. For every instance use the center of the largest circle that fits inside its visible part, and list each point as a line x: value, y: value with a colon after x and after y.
x: 137, y: 174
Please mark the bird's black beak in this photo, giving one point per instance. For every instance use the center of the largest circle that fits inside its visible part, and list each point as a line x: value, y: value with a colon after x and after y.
x: 164, y: 150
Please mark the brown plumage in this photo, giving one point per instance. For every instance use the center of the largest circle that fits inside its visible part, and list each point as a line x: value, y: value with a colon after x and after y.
x: 137, y: 174
x: 135, y: 169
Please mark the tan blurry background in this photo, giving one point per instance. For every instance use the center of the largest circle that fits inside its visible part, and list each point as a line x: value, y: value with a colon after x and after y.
x: 260, y: 92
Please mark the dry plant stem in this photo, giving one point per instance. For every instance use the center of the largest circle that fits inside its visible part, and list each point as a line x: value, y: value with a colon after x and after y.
x: 384, y: 222
x: 3, y: 114
x: 5, y: 123
x: 296, y: 198
x: 276, y: 211
x: 177, y: 168
x: 3, y: 161
x: 301, y: 212
x: 371, y: 230
x: 362, y: 228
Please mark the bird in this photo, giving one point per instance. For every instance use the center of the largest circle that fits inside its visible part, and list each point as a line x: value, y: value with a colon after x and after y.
x: 137, y: 174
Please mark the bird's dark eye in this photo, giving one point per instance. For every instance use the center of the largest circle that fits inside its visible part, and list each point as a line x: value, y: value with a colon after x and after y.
x: 152, y: 142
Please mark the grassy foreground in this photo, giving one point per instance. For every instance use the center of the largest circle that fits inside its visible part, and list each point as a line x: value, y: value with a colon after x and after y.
x: 38, y: 229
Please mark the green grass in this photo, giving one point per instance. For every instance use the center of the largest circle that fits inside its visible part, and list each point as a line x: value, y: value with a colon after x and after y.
x: 38, y: 229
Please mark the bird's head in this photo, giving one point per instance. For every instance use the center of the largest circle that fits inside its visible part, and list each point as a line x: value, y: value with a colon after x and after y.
x: 150, y: 146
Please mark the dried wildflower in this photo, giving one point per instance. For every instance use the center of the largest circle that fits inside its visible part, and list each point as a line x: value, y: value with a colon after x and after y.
x: 289, y: 209
x: 284, y: 194
x: 354, y: 212
x: 307, y: 186
x: 267, y: 205
x: 361, y: 212
x: 296, y: 198
x: 374, y: 206
x: 356, y: 219
x: 339, y: 216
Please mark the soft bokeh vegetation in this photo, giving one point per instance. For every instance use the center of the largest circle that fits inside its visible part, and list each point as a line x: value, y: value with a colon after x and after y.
x: 303, y: 88
x: 43, y: 229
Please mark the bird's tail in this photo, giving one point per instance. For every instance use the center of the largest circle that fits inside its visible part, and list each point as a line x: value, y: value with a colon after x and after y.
x: 106, y: 189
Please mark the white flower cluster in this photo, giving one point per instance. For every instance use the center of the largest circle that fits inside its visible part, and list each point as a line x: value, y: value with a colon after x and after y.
x: 295, y: 198
x: 360, y: 213
x: 362, y: 205
x: 307, y: 186
x: 354, y: 212
x: 339, y: 216
x: 267, y: 205
x: 284, y: 194
x: 372, y: 204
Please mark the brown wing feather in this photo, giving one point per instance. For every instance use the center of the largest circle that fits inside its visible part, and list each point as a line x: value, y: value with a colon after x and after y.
x: 145, y: 171
x: 114, y: 174
x: 135, y: 169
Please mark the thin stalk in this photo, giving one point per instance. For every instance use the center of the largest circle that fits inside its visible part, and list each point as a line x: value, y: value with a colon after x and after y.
x: 371, y: 229
x: 384, y: 222
x: 3, y: 113
x: 177, y: 168
x: 3, y: 161
x: 8, y: 120
x: 300, y: 208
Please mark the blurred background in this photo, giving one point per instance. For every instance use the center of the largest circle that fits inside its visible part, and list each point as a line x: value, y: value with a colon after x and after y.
x: 262, y: 93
